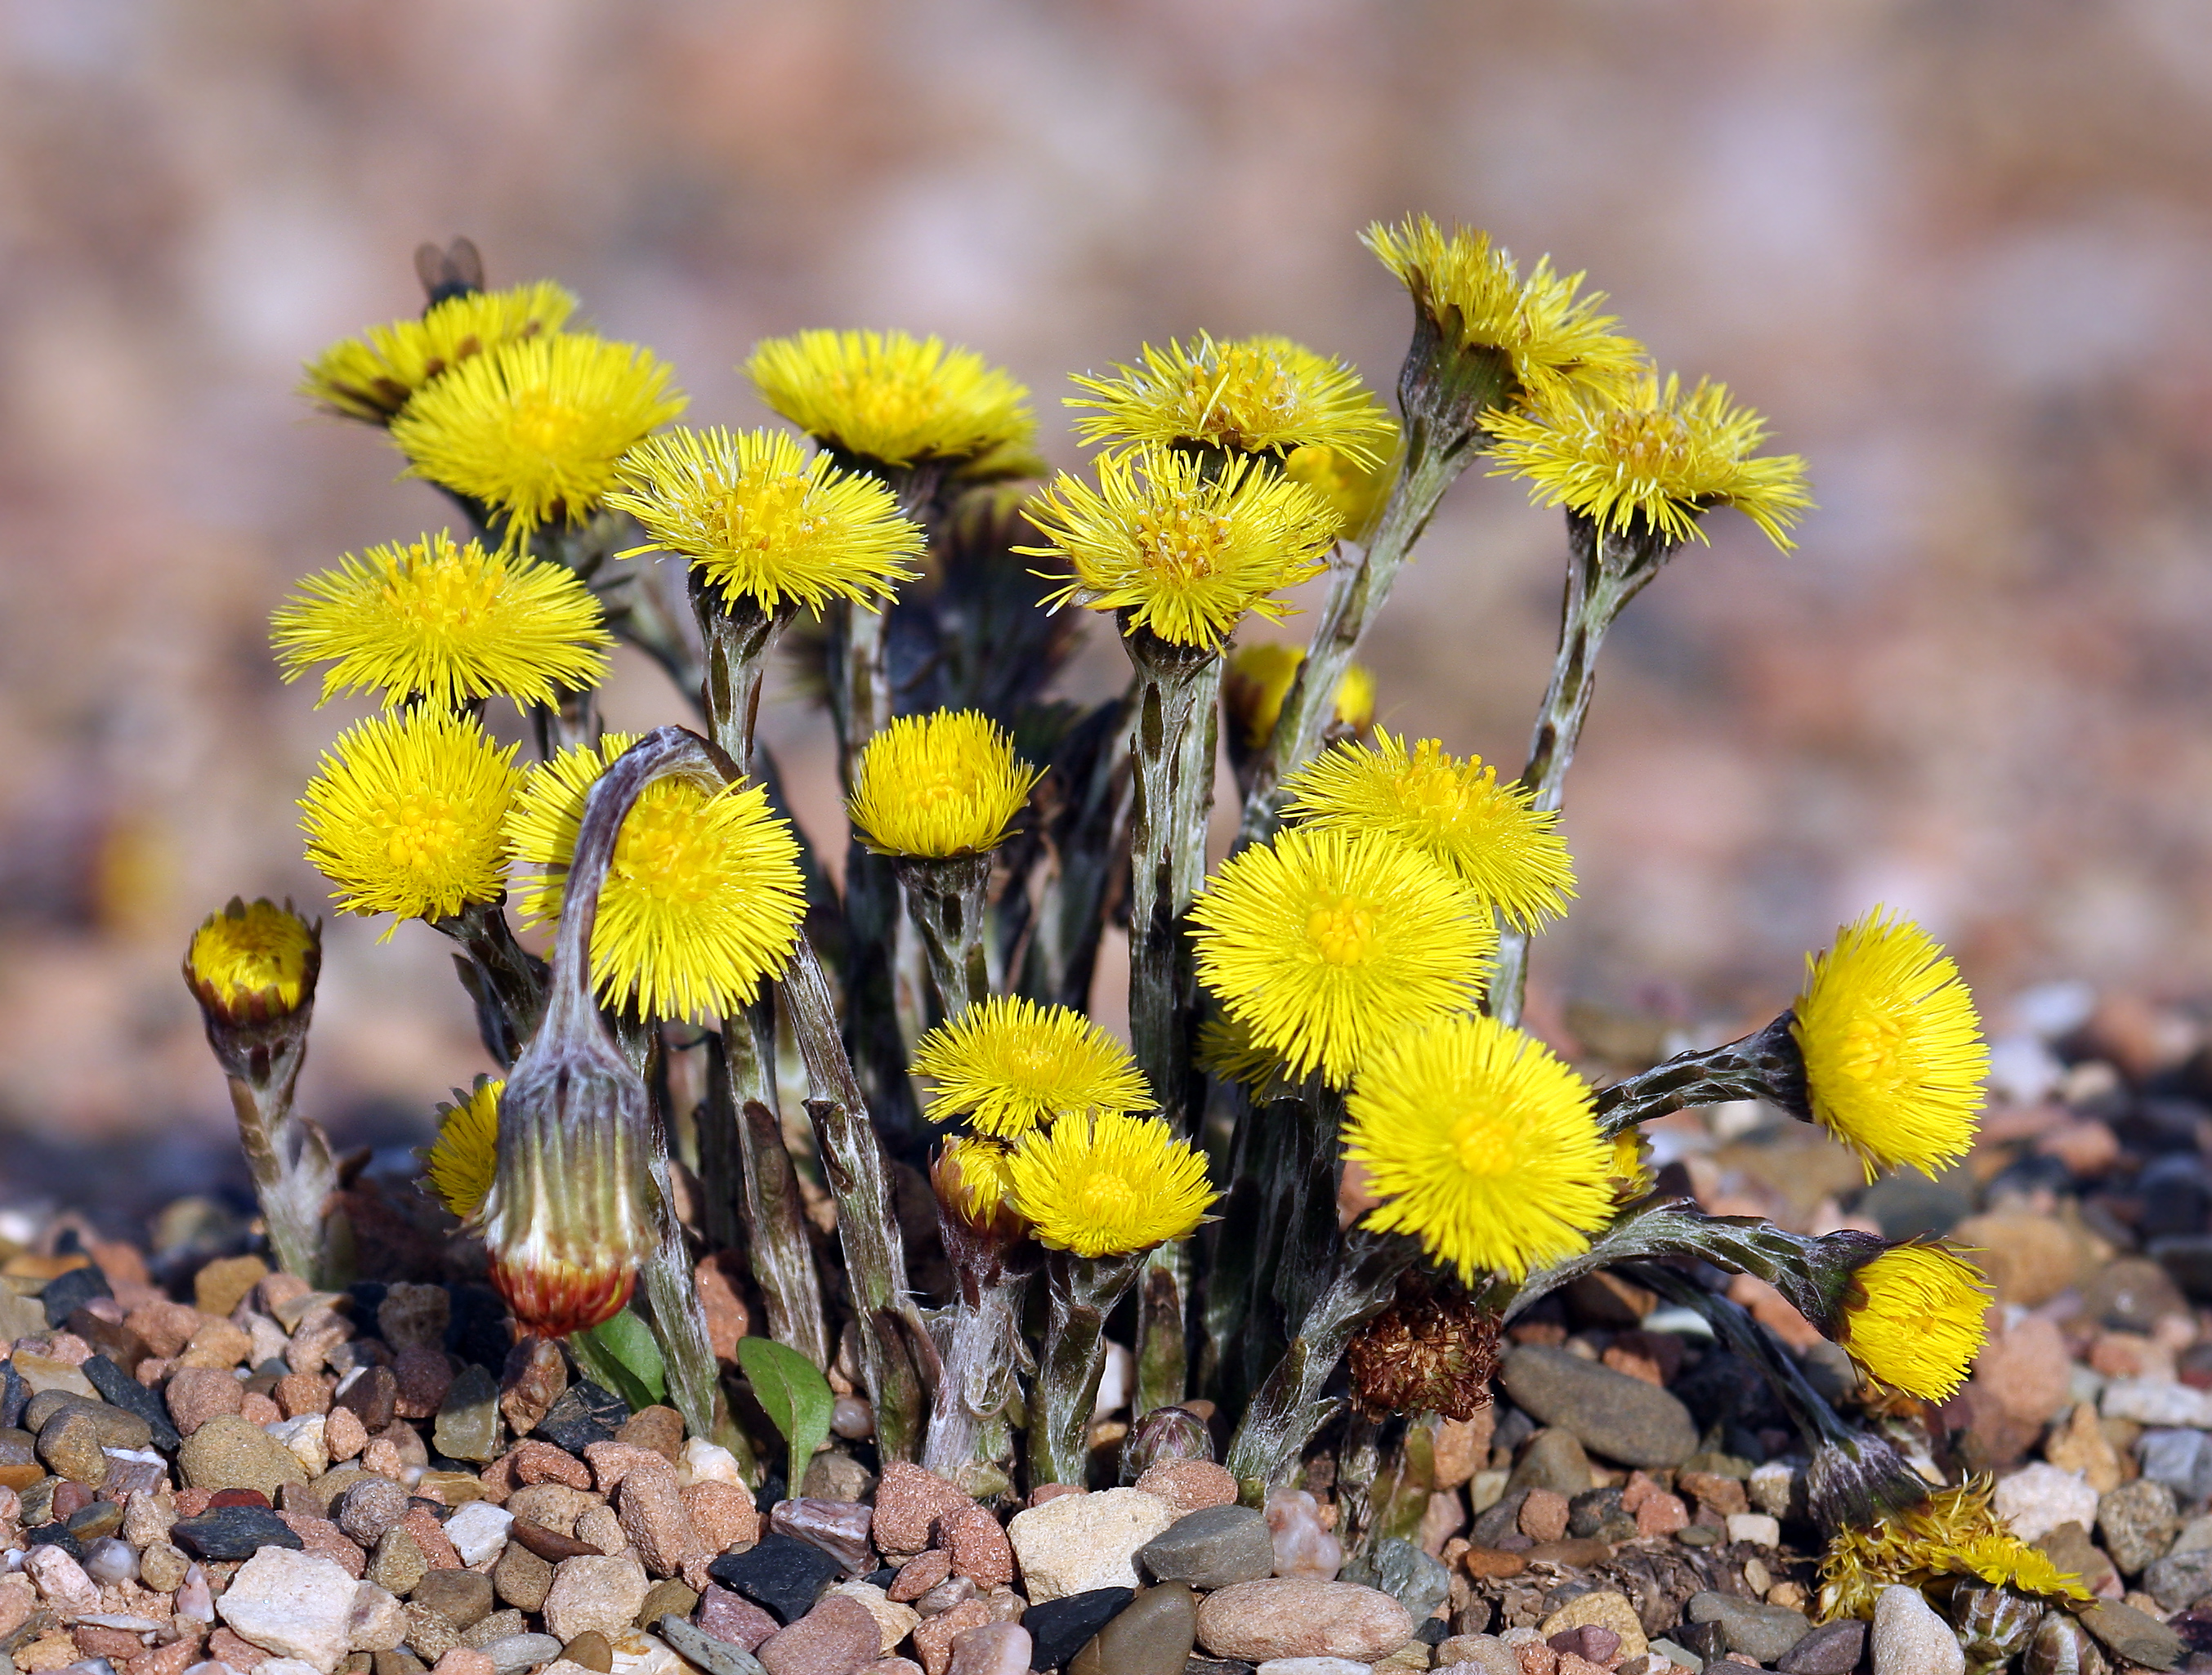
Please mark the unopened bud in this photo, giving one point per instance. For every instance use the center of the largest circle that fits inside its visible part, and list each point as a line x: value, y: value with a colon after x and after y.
x: 1166, y: 1433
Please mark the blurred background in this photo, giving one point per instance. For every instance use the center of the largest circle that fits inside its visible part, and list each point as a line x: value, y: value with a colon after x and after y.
x: 1955, y: 249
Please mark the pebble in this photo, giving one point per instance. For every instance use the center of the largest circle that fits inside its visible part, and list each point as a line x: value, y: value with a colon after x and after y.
x: 733, y: 1618
x: 1553, y: 1459
x: 722, y: 1513
x: 1483, y: 1655
x: 594, y: 1592
x: 2181, y: 1460
x: 41, y: 1373
x: 715, y: 1656
x: 377, y: 1621
x: 978, y: 1544
x: 461, y: 1597
x: 478, y: 1531
x: 909, y: 1503
x: 1151, y: 1636
x: 111, y: 1560
x: 1294, y: 1617
x: 60, y: 1580
x: 1397, y: 1566
x: 2148, y: 1402
x: 2179, y: 1578
x: 1910, y: 1639
x: 1760, y: 1631
x: 1188, y: 1485
x: 932, y: 1640
x: 196, y: 1394
x: 294, y: 1604
x: 1303, y: 1547
x: 1315, y: 1666
x: 1833, y: 1648
x: 1758, y: 1529
x: 371, y: 1507
x: 2132, y: 1635
x: 835, y: 1638
x: 894, y: 1621
x: 1081, y: 1543
x: 1060, y: 1628
x: 591, y: 1649
x: 782, y: 1574
x: 511, y: 1654
x: 533, y: 1380
x: 584, y: 1415
x: 233, y: 1532
x: 468, y: 1419
x: 996, y: 1648
x: 653, y: 1518
x: 2037, y: 1499
x: 2137, y: 1523
x: 1213, y: 1547
x: 838, y: 1528
x: 228, y: 1452
x: 1621, y: 1417
x: 1604, y: 1609
x: 659, y: 1428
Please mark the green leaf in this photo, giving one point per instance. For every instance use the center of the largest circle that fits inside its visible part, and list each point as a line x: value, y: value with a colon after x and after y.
x: 620, y: 1354
x: 794, y: 1394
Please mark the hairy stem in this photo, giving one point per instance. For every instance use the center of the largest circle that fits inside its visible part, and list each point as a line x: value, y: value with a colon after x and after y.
x: 1082, y: 1291
x: 741, y: 1117
x: 946, y: 899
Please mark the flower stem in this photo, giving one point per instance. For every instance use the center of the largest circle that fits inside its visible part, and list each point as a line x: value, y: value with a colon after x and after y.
x: 970, y: 1437
x: 947, y: 900
x: 741, y: 1117
x: 505, y: 980
x: 1081, y: 1292
x: 288, y: 1156
x: 1765, y: 1064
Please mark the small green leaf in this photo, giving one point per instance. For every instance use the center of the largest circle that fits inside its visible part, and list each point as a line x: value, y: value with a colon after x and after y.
x: 620, y: 1353
x: 794, y: 1394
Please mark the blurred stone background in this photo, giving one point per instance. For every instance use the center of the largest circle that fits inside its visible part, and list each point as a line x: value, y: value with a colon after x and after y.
x: 1955, y: 249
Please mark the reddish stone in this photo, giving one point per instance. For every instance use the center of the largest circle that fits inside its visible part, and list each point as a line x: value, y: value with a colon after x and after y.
x: 198, y: 1394
x: 174, y: 1659
x: 978, y: 1544
x: 541, y: 1462
x: 116, y: 1645
x: 430, y: 1536
x: 934, y: 1637
x: 1486, y: 1563
x: 324, y: 1539
x: 909, y: 1503
x: 733, y: 1618
x: 237, y: 1497
x: 1723, y: 1494
x: 723, y: 1514
x: 224, y: 1647
x: 299, y: 1393
x: 727, y: 1317
x: 1661, y: 1514
x: 420, y: 1379
x: 920, y: 1574
x: 1544, y: 1515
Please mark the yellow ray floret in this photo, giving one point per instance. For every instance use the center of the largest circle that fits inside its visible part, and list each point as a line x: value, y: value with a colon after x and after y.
x: 1258, y: 678
x: 1914, y: 1318
x: 938, y: 786
x: 407, y: 814
x: 372, y: 377
x: 1893, y: 1053
x: 1356, y: 490
x: 451, y: 624
x: 1325, y: 943
x: 892, y: 398
x: 1651, y: 456
x: 463, y: 1159
x: 1632, y: 1164
x: 1552, y: 333
x: 973, y: 1178
x: 1185, y: 550
x: 703, y: 898
x: 1227, y: 1052
x: 535, y: 430
x: 1953, y: 1532
x: 1482, y: 1145
x: 1108, y: 1185
x: 761, y: 519
x: 245, y: 951
x: 1450, y: 807
x: 1009, y: 1066
x: 1252, y: 394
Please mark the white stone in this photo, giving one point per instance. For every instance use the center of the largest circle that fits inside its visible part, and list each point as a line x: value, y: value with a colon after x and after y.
x: 593, y: 1593
x: 2036, y: 1500
x: 640, y: 1653
x: 1080, y: 1542
x: 1486, y: 1488
x: 478, y: 1531
x: 1759, y: 1528
x: 61, y: 1582
x: 303, y: 1438
x: 709, y: 1462
x: 894, y: 1621
x: 2195, y: 1537
x: 1117, y: 1376
x: 2148, y: 1402
x: 1909, y: 1639
x: 292, y: 1604
x: 280, y: 1666
x: 1770, y: 1486
x: 377, y: 1622
x: 1311, y: 1666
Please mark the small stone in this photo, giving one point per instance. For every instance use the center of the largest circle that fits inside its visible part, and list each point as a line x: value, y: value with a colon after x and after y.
x: 430, y: 1536
x: 837, y: 1527
x: 534, y: 1377
x: 1606, y: 1609
x: 520, y: 1578
x: 109, y: 1560
x: 954, y: 1591
x: 932, y: 1640
x: 1081, y: 1543
x: 893, y: 1622
x: 2146, y: 1401
x: 377, y: 1622
x: 1187, y: 1485
x: 233, y: 1532
x: 2179, y: 1578
x: 369, y: 1508
x: 60, y: 1580
x: 468, y: 1421
x: 2137, y: 1523
x: 1659, y: 1514
x: 325, y: 1539
x: 292, y: 1604
x: 594, y: 1592
x: 1316, y: 1667
x: 1544, y: 1515
x: 2038, y: 1499
x: 853, y: 1419
x: 909, y: 1503
x: 227, y: 1452
x: 996, y: 1648
x: 413, y: 1316
x: 979, y: 1546
x: 835, y: 1638
x: 659, y: 1428
x: 221, y: 1285
x: 398, y: 1562
x: 1060, y: 1628
x: 920, y: 1574
x: 734, y: 1618
x: 1833, y: 1648
x: 2181, y: 1460
x: 461, y: 1597
x: 1756, y: 1529
x: 723, y: 1514
x: 1760, y: 1631
x: 418, y: 1383
x: 343, y: 1434
x: 585, y: 1414
x: 514, y: 1653
x: 1398, y: 1567
x: 1293, y: 1617
x: 1553, y: 1459
x: 301, y: 1393
x: 1304, y: 1546
x: 121, y: 1390
x: 42, y: 1372
x: 1621, y: 1417
x: 591, y: 1650
x: 1151, y: 1636
x: 1485, y: 1654
x: 780, y: 1574
x: 655, y: 1520
x: 196, y: 1394
x: 665, y: 1598
x: 461, y: 1660
x: 1213, y: 1548
x: 2135, y: 1635
x: 716, y: 1657
x: 478, y: 1532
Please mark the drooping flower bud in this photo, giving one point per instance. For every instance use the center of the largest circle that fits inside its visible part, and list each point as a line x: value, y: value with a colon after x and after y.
x: 1166, y: 1433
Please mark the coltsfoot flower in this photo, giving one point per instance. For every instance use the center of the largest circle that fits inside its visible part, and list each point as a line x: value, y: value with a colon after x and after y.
x: 1357, y: 490
x: 1913, y: 1317
x: 536, y: 429
x: 251, y: 963
x: 1258, y: 678
x: 1009, y: 1066
x: 1108, y: 1185
x: 703, y: 898
x: 1252, y: 395
x: 760, y: 520
x: 1652, y: 456
x: 1893, y: 1054
x: 1549, y: 331
x: 1324, y: 943
x: 972, y: 1178
x: 892, y: 398
x: 374, y: 376
x: 938, y: 786
x: 1453, y: 808
x: 463, y: 1159
x: 1185, y: 550
x: 407, y: 816
x: 1483, y: 1145
x: 1953, y: 1532
x: 453, y: 624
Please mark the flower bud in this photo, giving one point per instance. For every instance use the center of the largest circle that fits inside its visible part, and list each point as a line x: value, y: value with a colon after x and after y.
x: 1166, y: 1433
x: 1858, y: 1480
x: 252, y: 969
x: 1993, y: 1622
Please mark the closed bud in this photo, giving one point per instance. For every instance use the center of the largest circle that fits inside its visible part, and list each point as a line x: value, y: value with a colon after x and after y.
x: 1166, y: 1433
x: 2060, y: 1646
x: 1993, y: 1622
x: 252, y: 969
x: 1858, y: 1481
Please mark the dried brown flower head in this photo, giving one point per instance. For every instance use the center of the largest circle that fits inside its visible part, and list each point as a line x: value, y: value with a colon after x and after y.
x: 1432, y: 1350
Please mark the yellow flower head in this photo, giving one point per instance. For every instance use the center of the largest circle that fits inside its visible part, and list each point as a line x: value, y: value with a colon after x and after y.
x: 1227, y: 1052
x: 1009, y: 1066
x: 1953, y: 1532
x: 1254, y: 395
x: 761, y: 520
x: 535, y: 430
x: 1482, y: 1145
x: 1893, y: 1054
x: 406, y: 816
x: 1555, y: 338
x: 940, y: 785
x: 1185, y: 552
x: 1258, y: 678
x: 1108, y: 1185
x: 1648, y: 454
x: 1914, y: 1319
x: 1357, y: 490
x: 1632, y: 1164
x: 1324, y: 944
x: 703, y: 898
x: 462, y: 1161
x: 973, y: 1178
x: 261, y: 954
x: 372, y: 378
x: 888, y: 397
x: 453, y: 624
x: 1451, y: 807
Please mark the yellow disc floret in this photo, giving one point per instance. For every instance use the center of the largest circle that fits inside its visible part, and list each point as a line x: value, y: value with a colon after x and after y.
x: 1185, y: 551
x: 372, y: 377
x: 1650, y: 455
x: 1451, y: 807
x: 1251, y: 394
x: 973, y: 1177
x: 1552, y: 333
x: 249, y: 951
x: 938, y: 786
x: 1258, y: 678
x: 1108, y: 1185
x: 703, y: 897
x: 890, y: 398
x: 761, y: 520
x: 407, y: 814
x: 1893, y: 1053
x: 462, y: 1161
x: 1914, y: 1319
x: 1482, y: 1145
x: 451, y: 624
x: 536, y: 430
x: 1325, y: 943
x: 1008, y: 1065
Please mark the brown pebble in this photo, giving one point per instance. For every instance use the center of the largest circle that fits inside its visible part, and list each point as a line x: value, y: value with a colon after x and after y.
x: 659, y: 1428
x: 918, y: 1575
x: 1486, y: 1563
x: 198, y: 1394
x: 723, y: 1514
x: 548, y: 1544
x: 541, y: 1462
x: 978, y: 1543
x: 1544, y: 1515
x: 589, y: 1650
x: 909, y: 1503
x: 224, y: 1647
x: 521, y: 1578
x: 256, y: 1409
x: 343, y: 1434
x: 932, y: 1640
x: 221, y: 1285
x: 430, y: 1536
x: 297, y: 1394
x: 733, y: 1618
x: 1189, y: 1485
x: 421, y: 1379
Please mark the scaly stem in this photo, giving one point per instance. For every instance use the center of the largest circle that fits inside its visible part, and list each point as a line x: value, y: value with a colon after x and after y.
x: 971, y: 1439
x: 505, y: 980
x: 946, y: 899
x: 738, y: 637
x: 679, y: 1318
x: 1082, y: 1291
x: 288, y: 1156
x: 741, y: 1117
x: 1765, y: 1064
